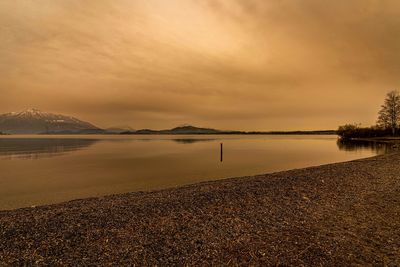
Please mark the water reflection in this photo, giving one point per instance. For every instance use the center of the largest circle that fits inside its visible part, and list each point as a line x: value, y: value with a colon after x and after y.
x: 192, y: 140
x: 361, y: 145
x: 176, y: 140
x: 32, y: 148
x: 101, y: 165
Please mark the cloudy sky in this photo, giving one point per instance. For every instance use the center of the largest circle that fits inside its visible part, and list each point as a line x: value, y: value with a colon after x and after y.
x: 229, y: 64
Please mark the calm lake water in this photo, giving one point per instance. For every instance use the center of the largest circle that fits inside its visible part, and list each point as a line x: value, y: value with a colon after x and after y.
x: 36, y: 170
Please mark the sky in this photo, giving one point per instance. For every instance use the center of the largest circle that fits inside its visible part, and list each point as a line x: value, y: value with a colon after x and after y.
x: 226, y: 64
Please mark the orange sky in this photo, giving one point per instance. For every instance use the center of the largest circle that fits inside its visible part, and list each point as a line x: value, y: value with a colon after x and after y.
x: 228, y: 64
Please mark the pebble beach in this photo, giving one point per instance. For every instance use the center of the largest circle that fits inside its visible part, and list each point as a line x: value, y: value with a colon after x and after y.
x: 332, y: 215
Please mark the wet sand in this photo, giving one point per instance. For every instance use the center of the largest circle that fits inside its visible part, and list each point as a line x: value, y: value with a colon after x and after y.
x: 331, y: 215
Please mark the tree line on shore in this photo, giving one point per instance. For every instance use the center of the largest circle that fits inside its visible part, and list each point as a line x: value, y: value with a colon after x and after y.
x: 387, y: 124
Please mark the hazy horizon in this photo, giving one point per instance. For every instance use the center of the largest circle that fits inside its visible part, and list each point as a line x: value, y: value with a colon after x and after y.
x: 128, y: 127
x: 231, y: 65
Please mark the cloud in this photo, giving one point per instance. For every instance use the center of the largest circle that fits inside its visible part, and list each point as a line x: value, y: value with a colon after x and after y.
x: 273, y: 64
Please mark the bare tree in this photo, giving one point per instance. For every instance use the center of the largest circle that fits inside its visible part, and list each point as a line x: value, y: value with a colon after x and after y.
x: 389, y: 115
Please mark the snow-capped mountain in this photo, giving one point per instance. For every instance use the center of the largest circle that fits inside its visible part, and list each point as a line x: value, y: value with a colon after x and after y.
x: 33, y: 121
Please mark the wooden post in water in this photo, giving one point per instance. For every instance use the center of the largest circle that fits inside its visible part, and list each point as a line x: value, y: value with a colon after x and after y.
x: 222, y: 152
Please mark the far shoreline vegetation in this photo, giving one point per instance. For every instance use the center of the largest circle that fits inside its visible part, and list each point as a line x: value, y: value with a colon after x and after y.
x: 182, y: 130
x: 193, y: 130
x: 387, y: 124
x: 197, y: 131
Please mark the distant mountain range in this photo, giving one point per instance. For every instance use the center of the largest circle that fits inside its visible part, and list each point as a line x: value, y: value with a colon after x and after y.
x: 119, y: 129
x: 33, y: 121
x: 187, y: 129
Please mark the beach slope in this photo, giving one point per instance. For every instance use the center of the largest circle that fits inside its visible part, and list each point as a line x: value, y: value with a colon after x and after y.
x: 337, y: 214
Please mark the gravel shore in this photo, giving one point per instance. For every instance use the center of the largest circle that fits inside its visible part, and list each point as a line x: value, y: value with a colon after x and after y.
x: 333, y: 215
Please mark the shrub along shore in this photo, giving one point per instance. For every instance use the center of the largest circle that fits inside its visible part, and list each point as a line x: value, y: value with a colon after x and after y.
x: 337, y: 214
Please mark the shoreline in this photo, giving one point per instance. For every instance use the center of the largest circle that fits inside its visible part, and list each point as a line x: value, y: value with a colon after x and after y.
x: 332, y: 214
